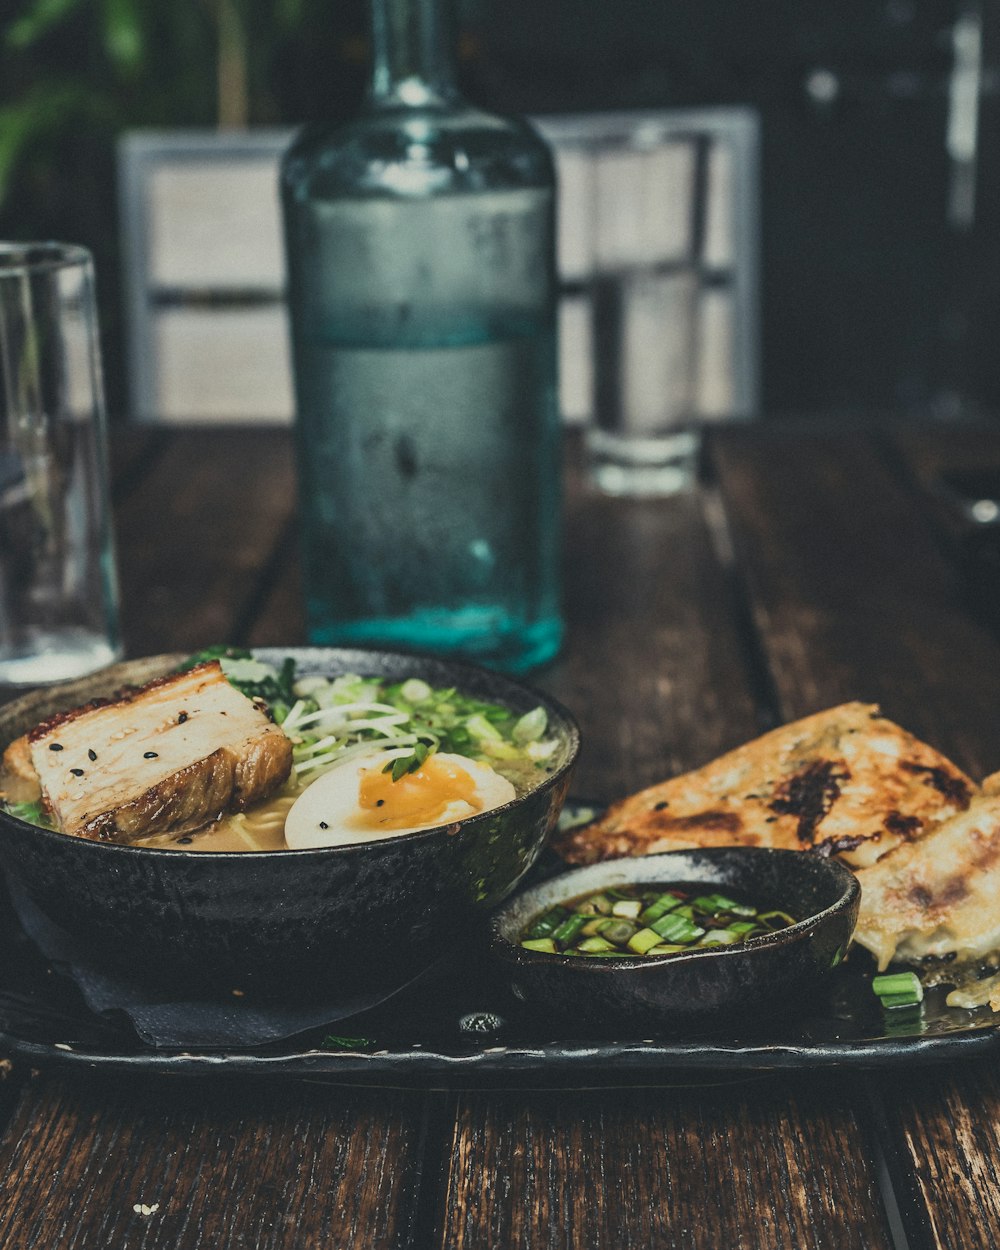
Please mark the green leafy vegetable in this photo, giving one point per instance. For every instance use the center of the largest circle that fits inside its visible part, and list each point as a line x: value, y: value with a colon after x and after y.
x: 31, y: 813
x: 332, y: 719
x: 335, y: 1042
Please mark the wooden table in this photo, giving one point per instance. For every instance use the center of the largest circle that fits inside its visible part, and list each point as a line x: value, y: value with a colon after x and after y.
x: 812, y: 568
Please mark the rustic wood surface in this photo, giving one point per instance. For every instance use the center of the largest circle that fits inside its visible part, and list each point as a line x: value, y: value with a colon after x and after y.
x: 809, y: 568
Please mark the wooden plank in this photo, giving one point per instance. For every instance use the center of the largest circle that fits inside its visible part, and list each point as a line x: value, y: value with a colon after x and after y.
x: 216, y: 1166
x: 278, y: 617
x: 776, y: 1165
x: 852, y: 594
x: 855, y: 597
x: 943, y: 1133
x: 194, y: 539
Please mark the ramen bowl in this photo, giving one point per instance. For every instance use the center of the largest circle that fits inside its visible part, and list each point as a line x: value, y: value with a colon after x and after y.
x: 284, y: 923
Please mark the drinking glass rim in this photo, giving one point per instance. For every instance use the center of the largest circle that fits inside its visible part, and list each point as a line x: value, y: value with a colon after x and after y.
x: 17, y: 259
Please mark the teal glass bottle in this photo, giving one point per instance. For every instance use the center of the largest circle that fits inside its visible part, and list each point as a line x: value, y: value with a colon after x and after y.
x: 420, y: 255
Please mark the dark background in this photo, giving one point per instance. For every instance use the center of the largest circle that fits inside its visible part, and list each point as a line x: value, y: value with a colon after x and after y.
x: 872, y: 299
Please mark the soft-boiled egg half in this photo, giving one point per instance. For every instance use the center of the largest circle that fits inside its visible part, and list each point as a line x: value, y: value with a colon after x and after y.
x: 358, y: 801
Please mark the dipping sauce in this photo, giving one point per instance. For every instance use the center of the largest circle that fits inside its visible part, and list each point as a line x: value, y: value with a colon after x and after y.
x: 639, y: 920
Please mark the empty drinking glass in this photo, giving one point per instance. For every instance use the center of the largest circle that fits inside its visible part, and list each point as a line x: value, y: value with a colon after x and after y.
x: 58, y: 589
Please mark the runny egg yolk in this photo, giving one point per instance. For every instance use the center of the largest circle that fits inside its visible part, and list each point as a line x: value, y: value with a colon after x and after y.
x: 418, y: 798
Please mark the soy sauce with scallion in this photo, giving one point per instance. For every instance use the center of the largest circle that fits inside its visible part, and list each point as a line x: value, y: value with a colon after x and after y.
x: 639, y: 920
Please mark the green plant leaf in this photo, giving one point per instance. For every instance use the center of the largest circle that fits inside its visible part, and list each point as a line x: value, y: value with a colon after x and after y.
x: 41, y: 17
x: 124, y: 38
x: 40, y: 112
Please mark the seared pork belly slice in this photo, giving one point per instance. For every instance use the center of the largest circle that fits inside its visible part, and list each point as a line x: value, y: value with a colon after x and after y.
x: 166, y: 757
x: 845, y: 782
x: 939, y: 897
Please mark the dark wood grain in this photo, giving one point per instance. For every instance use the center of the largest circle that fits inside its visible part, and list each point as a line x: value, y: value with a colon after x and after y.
x: 852, y: 594
x: 195, y: 539
x: 855, y: 597
x: 775, y: 1165
x: 279, y: 618
x: 944, y: 1135
x: 232, y: 1165
x: 653, y: 666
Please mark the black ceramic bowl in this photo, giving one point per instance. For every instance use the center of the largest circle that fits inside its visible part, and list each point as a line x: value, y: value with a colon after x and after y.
x: 284, y: 922
x: 719, y: 986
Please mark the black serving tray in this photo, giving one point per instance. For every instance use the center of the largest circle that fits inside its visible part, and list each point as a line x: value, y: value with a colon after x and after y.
x: 459, y: 1027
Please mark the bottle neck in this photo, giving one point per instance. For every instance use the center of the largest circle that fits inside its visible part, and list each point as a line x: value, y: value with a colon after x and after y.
x: 411, y: 53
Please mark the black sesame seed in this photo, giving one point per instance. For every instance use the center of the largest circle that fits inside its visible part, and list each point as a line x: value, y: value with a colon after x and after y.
x: 92, y: 754
x: 658, y: 807
x: 182, y: 718
x: 77, y: 772
x: 323, y: 825
x: 379, y: 802
x: 55, y: 746
x: 149, y: 755
x: 184, y: 841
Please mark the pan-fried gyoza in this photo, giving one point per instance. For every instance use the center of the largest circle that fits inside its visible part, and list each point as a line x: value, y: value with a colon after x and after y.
x: 923, y: 838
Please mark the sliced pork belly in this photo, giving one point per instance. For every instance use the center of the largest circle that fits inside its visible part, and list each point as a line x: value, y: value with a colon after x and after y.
x: 166, y: 757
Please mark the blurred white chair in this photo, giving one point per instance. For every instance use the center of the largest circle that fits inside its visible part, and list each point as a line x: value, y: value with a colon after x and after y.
x: 204, y: 276
x: 673, y: 191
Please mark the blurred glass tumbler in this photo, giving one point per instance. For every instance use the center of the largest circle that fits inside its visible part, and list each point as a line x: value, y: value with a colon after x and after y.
x: 420, y: 250
x: 58, y: 590
x: 649, y: 217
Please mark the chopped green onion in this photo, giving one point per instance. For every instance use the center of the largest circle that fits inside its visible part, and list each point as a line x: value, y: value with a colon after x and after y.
x: 899, y: 989
x: 571, y: 928
x: 415, y: 690
x: 628, y: 920
x: 674, y: 928
x: 598, y: 904
x: 540, y: 944
x: 481, y: 729
x: 722, y: 902
x: 665, y: 903
x: 618, y: 931
x: 644, y: 940
x: 530, y: 727
x: 546, y: 924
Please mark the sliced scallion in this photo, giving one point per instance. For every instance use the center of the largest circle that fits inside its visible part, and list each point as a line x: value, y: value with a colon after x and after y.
x: 898, y: 989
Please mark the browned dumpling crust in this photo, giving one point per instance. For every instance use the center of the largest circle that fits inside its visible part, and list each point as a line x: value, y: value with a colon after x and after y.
x: 846, y: 782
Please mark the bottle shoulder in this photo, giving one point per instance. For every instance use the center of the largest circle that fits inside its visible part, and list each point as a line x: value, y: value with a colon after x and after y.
x: 411, y: 152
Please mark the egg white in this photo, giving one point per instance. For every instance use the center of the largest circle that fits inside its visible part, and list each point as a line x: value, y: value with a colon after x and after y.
x: 332, y: 800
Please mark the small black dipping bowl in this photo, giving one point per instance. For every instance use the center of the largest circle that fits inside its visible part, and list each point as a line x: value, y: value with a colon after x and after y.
x: 284, y: 923
x: 704, y: 989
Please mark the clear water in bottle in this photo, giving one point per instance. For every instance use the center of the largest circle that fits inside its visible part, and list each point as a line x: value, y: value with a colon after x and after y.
x: 427, y: 422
